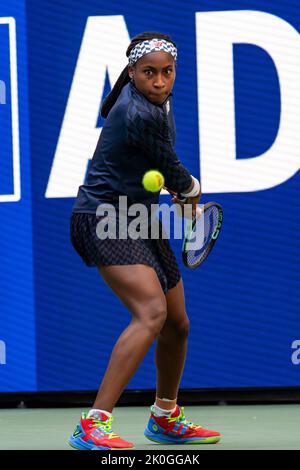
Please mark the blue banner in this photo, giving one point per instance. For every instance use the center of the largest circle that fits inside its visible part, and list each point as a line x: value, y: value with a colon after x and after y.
x: 17, y: 290
x: 237, y: 111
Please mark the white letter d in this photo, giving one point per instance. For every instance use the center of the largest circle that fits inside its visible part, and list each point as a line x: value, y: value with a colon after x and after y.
x: 216, y: 33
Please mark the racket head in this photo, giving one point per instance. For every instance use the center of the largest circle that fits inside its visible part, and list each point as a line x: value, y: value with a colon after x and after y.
x: 209, y: 223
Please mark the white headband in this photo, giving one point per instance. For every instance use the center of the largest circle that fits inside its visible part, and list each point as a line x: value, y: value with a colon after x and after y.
x: 151, y: 45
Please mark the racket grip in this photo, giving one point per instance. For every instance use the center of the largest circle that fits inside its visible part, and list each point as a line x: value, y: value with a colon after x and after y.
x: 183, y: 211
x: 181, y: 198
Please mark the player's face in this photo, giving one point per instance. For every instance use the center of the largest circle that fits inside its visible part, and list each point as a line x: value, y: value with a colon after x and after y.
x: 154, y: 75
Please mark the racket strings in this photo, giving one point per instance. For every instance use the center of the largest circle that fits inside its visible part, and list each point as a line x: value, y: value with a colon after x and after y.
x: 201, y: 236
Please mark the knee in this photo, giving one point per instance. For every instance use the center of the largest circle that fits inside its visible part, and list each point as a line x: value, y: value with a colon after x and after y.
x: 153, y: 317
x: 183, y: 328
x: 178, y: 329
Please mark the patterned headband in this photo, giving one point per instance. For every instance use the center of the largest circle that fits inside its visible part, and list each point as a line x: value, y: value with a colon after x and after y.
x: 151, y: 45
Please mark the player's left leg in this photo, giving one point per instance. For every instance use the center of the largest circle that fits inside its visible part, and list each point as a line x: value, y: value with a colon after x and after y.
x: 167, y: 423
x: 171, y: 347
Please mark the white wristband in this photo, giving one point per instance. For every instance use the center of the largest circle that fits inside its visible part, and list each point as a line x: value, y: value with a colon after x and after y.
x: 195, y: 191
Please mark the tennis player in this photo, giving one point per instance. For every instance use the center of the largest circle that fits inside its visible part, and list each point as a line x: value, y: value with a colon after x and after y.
x: 138, y: 135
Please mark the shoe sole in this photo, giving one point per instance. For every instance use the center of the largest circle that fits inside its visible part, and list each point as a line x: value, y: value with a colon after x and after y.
x: 83, y: 446
x: 169, y: 440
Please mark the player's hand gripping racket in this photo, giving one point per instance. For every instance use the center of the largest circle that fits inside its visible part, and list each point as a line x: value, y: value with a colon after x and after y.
x: 201, y: 233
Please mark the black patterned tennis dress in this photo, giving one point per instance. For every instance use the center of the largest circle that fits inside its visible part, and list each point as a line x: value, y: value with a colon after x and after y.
x: 137, y: 136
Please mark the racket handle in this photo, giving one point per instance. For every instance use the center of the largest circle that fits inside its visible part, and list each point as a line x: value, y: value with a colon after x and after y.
x: 181, y: 198
x: 188, y: 214
x: 199, y: 210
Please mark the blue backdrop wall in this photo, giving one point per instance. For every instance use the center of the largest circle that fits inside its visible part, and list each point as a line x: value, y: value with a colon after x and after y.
x: 58, y: 320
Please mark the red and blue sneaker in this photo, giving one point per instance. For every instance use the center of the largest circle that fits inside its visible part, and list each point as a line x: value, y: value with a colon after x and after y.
x: 177, y: 430
x: 95, y: 433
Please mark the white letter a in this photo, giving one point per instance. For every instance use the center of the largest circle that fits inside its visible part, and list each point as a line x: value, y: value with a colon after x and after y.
x: 103, y: 47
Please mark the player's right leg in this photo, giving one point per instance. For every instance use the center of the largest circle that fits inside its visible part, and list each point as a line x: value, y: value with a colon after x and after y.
x: 138, y: 288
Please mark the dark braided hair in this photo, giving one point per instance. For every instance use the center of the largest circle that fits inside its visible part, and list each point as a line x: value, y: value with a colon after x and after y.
x: 124, y: 78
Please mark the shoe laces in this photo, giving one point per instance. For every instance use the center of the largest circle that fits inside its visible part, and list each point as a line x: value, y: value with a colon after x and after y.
x: 182, y: 420
x: 103, y: 425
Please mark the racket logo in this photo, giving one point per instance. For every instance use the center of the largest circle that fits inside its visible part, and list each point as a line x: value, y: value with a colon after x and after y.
x: 217, y: 229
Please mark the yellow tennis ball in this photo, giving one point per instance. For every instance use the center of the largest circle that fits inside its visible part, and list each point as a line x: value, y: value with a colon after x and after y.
x: 153, y: 181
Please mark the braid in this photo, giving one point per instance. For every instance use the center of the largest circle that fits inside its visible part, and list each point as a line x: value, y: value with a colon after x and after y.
x: 124, y: 78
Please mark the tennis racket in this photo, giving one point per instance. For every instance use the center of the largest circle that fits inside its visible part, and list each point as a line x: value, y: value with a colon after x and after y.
x: 201, y: 233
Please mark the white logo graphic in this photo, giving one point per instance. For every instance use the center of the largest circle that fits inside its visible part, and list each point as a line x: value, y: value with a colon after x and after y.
x: 168, y: 107
x: 16, y: 195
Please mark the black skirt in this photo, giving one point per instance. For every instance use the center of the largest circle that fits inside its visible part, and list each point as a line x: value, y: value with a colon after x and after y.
x: 156, y: 253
